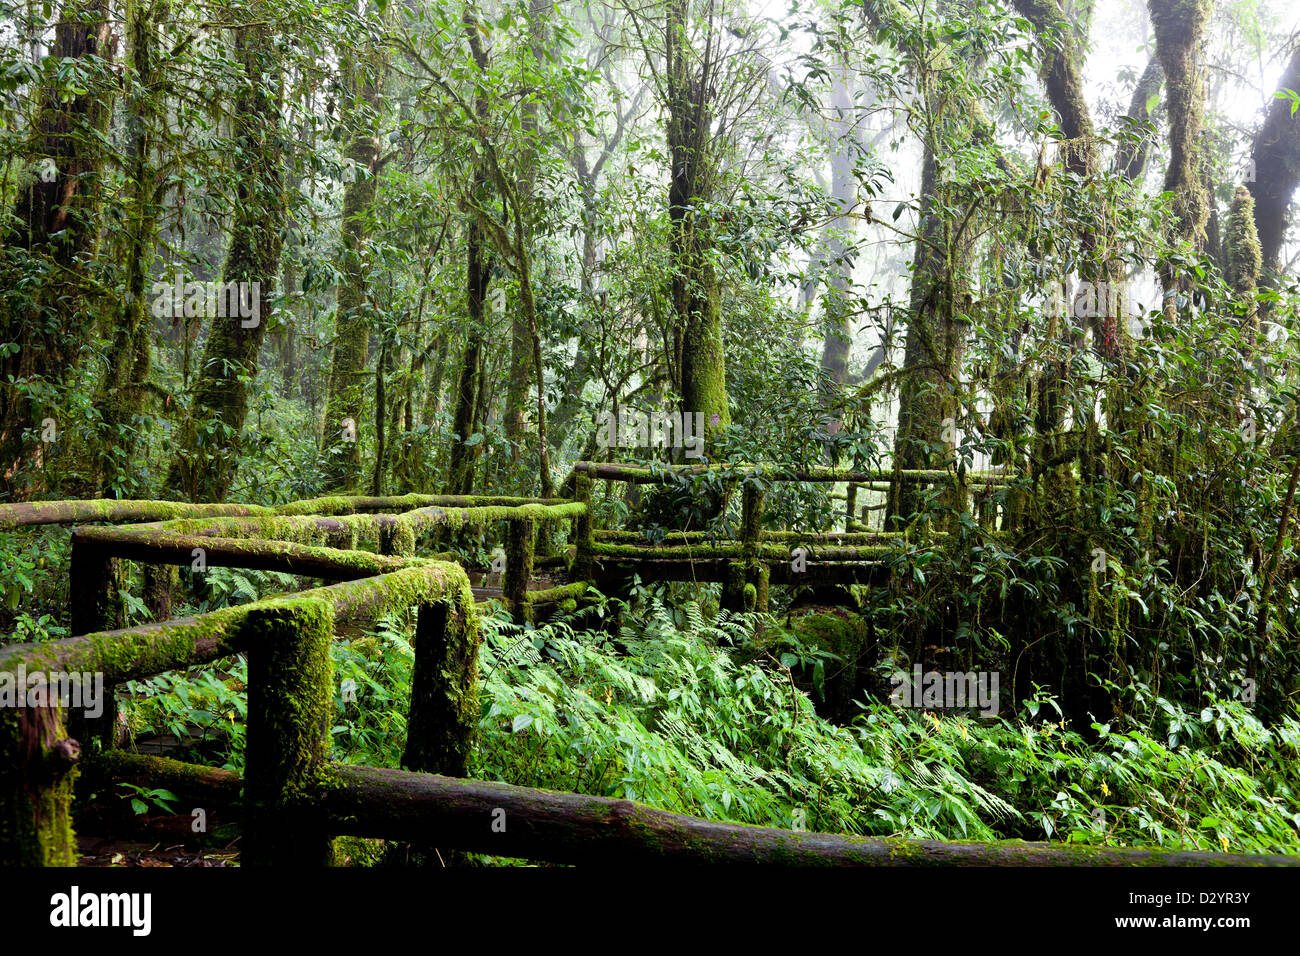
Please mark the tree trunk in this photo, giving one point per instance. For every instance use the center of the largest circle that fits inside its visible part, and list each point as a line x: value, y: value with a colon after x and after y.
x: 122, y: 390
x: 697, y: 308
x: 1276, y: 156
x: 1131, y: 157
x: 342, y: 440
x: 838, y: 340
x: 1179, y: 26
x: 201, y: 471
x: 55, y: 218
x: 934, y: 345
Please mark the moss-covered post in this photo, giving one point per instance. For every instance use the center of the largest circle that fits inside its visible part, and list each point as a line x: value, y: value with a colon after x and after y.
x: 38, y: 767
x: 733, y: 587
x: 583, y: 568
x: 290, y: 706
x: 746, y: 580
x: 545, y: 546
x: 94, y: 605
x: 520, y: 534
x: 443, y: 719
x: 751, y: 532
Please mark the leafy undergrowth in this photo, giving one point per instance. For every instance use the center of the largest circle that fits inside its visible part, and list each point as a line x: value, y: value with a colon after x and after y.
x: 681, y: 713
x: 668, y: 717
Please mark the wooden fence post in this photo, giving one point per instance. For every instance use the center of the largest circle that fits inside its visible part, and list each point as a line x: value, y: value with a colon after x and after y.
x: 751, y: 536
x: 583, y: 565
x: 443, y: 720
x: 290, y: 707
x: 93, y: 580
x: 444, y: 715
x: 520, y: 534
x: 95, y: 605
x: 746, y: 585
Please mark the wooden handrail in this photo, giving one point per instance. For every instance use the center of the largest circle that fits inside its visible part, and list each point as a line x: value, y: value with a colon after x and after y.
x: 575, y: 828
x: 643, y: 474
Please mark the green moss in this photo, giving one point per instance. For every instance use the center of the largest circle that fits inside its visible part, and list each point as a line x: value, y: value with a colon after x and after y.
x: 766, y: 552
x: 36, y: 786
x: 1241, y: 241
x: 564, y: 593
x: 445, y: 710
x: 359, y: 851
x: 844, y: 634
x: 397, y: 537
x: 290, y: 709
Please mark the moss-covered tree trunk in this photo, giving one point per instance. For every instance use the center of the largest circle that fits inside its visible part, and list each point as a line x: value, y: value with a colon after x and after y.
x: 125, y: 385
x: 697, y: 307
x: 934, y: 344
x: 1244, y: 262
x: 38, y: 768
x: 470, y: 398
x: 55, y: 220
x: 1276, y: 154
x: 341, y: 442
x: 204, y: 468
x: 1179, y: 27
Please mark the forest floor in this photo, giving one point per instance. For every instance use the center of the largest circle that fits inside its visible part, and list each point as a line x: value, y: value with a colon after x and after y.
x: 116, y: 851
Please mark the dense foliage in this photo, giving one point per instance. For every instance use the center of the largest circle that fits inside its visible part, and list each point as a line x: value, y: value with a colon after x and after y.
x: 264, y: 250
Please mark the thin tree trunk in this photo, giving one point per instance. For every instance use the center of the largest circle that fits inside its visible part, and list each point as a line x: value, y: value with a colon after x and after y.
x: 1131, y: 157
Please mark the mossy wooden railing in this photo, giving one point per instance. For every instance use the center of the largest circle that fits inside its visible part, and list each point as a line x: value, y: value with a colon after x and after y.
x: 286, y: 639
x: 758, y: 557
x: 294, y: 800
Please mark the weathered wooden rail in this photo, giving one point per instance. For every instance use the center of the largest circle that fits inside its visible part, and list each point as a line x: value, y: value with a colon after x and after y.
x: 758, y: 557
x: 293, y: 798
